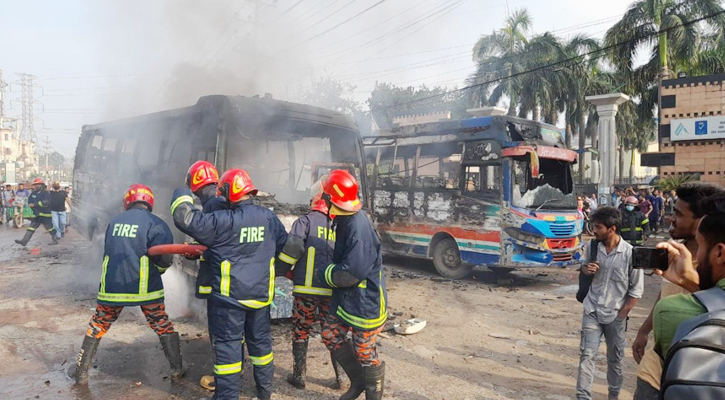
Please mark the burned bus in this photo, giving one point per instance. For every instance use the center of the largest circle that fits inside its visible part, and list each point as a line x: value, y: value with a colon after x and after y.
x: 494, y: 191
x: 284, y: 146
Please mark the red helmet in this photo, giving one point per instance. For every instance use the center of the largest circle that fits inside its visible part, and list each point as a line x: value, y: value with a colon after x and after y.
x: 138, y: 193
x: 235, y: 184
x: 38, y: 181
x: 200, y: 174
x: 342, y: 189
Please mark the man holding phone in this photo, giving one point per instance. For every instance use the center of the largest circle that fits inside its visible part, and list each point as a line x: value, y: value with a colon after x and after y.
x: 688, y: 210
x: 614, y: 291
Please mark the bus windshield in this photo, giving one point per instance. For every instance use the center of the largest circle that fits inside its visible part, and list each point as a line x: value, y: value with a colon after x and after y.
x: 553, y: 189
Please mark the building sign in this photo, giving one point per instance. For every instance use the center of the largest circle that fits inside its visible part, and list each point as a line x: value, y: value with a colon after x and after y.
x: 697, y: 128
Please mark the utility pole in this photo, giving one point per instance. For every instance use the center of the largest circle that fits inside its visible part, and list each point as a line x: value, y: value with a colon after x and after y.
x: 3, y: 91
x: 28, y: 131
x: 46, y: 149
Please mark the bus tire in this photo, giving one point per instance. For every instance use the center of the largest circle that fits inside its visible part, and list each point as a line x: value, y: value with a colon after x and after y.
x: 447, y: 260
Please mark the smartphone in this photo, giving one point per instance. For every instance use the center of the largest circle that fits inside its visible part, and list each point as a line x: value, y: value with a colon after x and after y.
x: 649, y: 258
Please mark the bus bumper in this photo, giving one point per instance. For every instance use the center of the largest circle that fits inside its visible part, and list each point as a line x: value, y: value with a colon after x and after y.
x: 525, y: 255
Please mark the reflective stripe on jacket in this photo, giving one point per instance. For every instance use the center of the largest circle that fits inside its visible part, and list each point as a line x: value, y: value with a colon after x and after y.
x: 204, y: 277
x: 41, y: 203
x: 242, y: 245
x: 633, y: 227
x: 319, y: 239
x: 362, y: 305
x: 128, y: 275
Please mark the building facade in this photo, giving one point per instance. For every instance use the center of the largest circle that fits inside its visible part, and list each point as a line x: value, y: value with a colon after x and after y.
x: 21, y: 153
x: 692, y: 129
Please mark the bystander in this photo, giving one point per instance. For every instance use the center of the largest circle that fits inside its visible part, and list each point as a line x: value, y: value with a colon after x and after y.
x: 688, y: 210
x: 58, y: 198
x: 615, y: 289
x: 670, y: 312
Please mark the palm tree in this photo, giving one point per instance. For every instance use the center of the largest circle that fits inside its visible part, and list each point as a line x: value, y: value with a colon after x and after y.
x: 542, y: 92
x: 674, y: 181
x: 633, y: 134
x: 577, y: 81
x: 679, y: 43
x: 498, y: 57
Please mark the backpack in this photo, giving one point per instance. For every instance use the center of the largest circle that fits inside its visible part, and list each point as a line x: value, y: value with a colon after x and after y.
x: 695, y: 364
x: 585, y: 281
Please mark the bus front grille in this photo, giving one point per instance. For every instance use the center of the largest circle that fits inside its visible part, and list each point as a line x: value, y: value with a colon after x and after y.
x: 562, y: 230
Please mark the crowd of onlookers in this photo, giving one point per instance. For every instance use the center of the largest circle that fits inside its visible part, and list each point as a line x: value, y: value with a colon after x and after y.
x: 692, y: 288
x: 12, y: 195
x: 655, y: 205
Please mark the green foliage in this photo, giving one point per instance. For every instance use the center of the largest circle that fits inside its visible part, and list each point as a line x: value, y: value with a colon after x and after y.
x: 331, y: 94
x: 55, y: 160
x: 388, y: 100
x: 673, y: 181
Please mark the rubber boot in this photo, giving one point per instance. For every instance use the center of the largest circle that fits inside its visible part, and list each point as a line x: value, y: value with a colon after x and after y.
x: 263, y: 394
x: 299, y: 369
x: 79, y: 371
x: 337, y: 385
x: 345, y: 356
x: 53, y: 240
x: 374, y: 382
x: 172, y: 349
x: 25, y: 239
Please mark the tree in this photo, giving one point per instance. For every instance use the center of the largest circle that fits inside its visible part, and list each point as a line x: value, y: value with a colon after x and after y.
x: 386, y: 100
x: 633, y: 134
x: 56, y: 160
x: 331, y: 94
x: 499, y: 57
x: 678, y: 43
x: 672, y: 182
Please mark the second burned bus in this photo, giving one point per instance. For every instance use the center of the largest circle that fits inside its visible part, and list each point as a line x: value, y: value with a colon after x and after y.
x: 494, y: 191
x: 284, y: 146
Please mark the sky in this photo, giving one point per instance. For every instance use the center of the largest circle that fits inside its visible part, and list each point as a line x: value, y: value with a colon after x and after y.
x: 98, y: 61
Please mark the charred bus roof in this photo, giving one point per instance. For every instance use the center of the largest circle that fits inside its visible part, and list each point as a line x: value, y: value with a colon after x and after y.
x: 234, y: 112
x: 505, y: 129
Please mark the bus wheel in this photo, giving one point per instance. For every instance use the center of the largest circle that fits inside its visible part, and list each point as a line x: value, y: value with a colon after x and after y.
x: 447, y: 260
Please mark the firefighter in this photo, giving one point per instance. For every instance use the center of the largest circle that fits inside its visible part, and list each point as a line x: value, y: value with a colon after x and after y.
x: 39, y: 201
x: 308, y: 250
x: 634, y: 222
x: 130, y: 277
x: 242, y: 242
x: 202, y: 179
x: 359, y: 296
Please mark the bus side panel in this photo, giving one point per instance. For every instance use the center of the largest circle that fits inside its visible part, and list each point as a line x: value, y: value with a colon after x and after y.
x: 409, y: 221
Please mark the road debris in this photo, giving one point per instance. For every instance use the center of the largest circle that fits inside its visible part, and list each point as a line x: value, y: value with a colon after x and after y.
x: 410, y: 327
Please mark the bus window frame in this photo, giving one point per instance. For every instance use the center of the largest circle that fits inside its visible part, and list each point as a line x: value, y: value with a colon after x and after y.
x: 411, y: 173
x: 495, y: 195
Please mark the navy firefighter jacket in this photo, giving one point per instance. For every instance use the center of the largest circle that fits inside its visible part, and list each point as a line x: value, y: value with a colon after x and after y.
x: 242, y: 243
x: 203, y: 278
x: 309, y: 248
x: 41, y: 203
x: 356, y: 274
x: 129, y: 276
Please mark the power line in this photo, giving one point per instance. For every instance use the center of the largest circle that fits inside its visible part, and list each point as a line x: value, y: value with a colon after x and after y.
x: 340, y: 24
x: 321, y: 10
x: 356, y: 35
x: 285, y: 12
x: 400, y: 28
x: 444, y: 12
x: 601, y: 51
